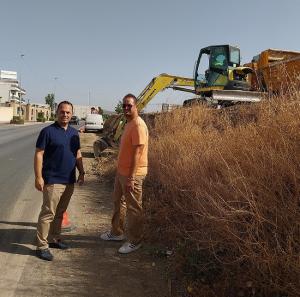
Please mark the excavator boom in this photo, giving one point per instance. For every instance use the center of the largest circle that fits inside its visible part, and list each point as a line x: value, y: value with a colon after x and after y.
x: 157, y: 84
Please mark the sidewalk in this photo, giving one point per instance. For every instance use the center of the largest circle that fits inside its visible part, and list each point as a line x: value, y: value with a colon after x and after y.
x: 25, y: 124
x: 93, y: 267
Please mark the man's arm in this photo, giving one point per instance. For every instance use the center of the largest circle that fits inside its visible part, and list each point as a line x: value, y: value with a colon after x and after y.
x: 137, y: 152
x: 38, y: 165
x: 79, y: 165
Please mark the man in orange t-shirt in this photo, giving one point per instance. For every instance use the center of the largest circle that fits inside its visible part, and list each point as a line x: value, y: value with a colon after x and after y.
x: 131, y: 171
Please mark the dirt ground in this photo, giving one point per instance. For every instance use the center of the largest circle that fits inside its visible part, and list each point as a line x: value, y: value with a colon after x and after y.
x: 93, y: 267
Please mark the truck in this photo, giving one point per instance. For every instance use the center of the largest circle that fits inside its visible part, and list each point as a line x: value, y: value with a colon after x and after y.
x: 275, y: 71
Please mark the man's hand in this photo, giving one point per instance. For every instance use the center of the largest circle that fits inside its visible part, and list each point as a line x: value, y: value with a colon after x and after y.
x: 80, y: 179
x: 38, y: 165
x: 39, y: 184
x: 129, y: 184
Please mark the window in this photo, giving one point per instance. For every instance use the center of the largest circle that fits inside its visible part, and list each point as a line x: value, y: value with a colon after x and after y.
x: 218, y: 58
x: 234, y: 55
x: 202, y: 68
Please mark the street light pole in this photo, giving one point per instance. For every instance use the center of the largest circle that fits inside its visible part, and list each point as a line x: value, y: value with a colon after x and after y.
x: 20, y: 85
x: 55, y: 79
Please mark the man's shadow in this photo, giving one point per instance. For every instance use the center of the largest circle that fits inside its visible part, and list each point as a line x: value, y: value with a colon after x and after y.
x: 14, y: 240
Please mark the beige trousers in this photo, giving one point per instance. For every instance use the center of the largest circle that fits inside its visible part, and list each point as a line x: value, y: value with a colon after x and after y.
x: 128, y: 204
x: 56, y: 198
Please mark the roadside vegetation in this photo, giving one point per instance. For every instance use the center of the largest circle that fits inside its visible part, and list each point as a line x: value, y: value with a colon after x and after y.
x: 17, y: 120
x: 223, y: 194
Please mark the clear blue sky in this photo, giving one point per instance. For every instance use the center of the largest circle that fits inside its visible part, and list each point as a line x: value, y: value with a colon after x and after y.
x: 110, y: 48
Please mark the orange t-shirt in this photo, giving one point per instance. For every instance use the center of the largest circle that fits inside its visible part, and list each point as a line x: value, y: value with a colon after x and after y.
x: 135, y: 133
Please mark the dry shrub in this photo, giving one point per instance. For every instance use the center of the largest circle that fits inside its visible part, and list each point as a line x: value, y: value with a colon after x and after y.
x: 106, y: 165
x: 223, y: 190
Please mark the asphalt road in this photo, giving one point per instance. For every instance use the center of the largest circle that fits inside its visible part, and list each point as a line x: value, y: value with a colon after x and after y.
x: 17, y: 146
x: 19, y: 202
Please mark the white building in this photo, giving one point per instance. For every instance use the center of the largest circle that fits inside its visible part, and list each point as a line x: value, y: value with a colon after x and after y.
x: 82, y: 111
x: 10, y: 90
x: 10, y: 105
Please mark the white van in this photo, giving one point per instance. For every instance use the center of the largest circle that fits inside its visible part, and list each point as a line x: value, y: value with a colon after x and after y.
x: 94, y: 122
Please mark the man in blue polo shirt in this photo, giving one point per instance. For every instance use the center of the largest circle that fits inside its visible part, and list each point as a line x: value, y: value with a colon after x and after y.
x: 56, y: 158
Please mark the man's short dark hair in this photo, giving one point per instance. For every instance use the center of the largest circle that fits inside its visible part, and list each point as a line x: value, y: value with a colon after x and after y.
x: 130, y: 96
x: 64, y: 102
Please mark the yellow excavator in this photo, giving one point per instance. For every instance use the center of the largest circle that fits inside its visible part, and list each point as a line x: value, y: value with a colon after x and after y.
x: 113, y: 126
x: 225, y: 82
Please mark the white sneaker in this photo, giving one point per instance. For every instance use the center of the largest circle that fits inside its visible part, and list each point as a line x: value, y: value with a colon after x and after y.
x: 108, y: 236
x: 128, y: 247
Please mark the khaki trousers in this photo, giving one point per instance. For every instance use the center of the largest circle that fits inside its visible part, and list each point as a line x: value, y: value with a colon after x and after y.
x: 56, y: 198
x: 128, y: 204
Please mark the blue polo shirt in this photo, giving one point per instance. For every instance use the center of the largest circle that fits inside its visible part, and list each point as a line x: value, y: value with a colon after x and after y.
x: 60, y: 149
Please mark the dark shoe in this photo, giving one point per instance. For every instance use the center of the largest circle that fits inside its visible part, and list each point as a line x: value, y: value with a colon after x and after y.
x: 44, y: 254
x: 58, y: 245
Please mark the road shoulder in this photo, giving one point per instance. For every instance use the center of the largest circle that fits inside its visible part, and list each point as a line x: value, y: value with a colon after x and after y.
x: 93, y: 267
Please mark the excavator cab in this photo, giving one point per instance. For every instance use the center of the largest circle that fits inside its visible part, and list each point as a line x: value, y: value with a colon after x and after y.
x: 224, y: 71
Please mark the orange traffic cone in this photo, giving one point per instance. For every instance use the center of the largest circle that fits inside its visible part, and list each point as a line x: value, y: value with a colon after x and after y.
x: 66, y: 225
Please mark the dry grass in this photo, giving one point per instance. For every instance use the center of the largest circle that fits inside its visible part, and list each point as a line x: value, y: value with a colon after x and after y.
x: 106, y: 165
x: 223, y: 190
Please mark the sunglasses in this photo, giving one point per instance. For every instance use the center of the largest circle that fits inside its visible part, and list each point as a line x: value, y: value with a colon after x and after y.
x: 126, y: 105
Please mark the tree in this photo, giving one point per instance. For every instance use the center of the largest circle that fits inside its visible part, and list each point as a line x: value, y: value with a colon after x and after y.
x: 50, y: 100
x: 119, y: 108
x: 100, y: 110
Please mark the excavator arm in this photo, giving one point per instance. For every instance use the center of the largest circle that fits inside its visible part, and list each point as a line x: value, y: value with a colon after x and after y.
x: 115, y: 125
x: 160, y: 83
x: 157, y: 84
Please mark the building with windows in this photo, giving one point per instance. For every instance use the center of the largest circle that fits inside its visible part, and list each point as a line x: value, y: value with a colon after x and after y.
x: 35, y: 110
x: 10, y: 90
x: 11, y: 99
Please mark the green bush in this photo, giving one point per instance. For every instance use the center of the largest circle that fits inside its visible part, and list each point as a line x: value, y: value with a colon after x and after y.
x: 41, y: 117
x: 17, y: 120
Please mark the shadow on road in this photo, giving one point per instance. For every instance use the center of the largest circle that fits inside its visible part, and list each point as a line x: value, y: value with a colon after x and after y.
x: 15, y: 240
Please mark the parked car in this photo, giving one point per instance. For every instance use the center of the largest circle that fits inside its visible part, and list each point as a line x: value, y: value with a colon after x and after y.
x: 74, y: 120
x: 94, y: 122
